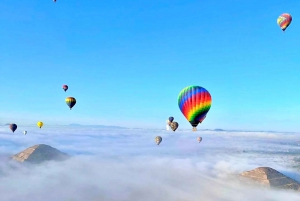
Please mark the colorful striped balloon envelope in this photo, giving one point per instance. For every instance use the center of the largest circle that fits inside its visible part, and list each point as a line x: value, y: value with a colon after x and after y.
x: 70, y: 101
x: 194, y: 103
x: 284, y: 20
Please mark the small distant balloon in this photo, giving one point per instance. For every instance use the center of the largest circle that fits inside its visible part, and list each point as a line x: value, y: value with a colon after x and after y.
x: 71, y: 101
x: 199, y: 139
x: 65, y: 87
x: 174, y: 125
x: 284, y: 20
x: 54, y: 1
x: 40, y: 124
x: 171, y: 119
x: 13, y: 127
x: 158, y: 140
x: 168, y: 124
x: 25, y: 132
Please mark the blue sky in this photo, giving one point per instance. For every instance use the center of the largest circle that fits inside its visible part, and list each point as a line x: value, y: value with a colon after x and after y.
x: 126, y: 62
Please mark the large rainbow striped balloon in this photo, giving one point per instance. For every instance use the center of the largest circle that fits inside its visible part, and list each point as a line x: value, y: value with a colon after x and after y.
x: 194, y: 102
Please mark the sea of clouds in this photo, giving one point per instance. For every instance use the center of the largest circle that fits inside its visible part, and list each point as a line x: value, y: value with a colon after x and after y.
x: 125, y: 164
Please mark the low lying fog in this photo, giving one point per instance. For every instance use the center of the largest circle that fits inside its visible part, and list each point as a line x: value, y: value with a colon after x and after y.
x: 126, y: 164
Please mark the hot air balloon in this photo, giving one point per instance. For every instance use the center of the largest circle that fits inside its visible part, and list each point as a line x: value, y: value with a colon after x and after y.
x: 158, y: 140
x: 40, y: 124
x: 174, y: 125
x: 199, y: 139
x: 13, y: 127
x: 65, y: 87
x: 54, y: 1
x: 284, y: 20
x: 171, y: 119
x: 70, y: 102
x: 168, y: 123
x: 194, y: 103
x: 25, y: 132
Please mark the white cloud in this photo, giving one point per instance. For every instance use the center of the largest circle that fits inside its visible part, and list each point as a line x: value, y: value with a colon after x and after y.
x: 126, y: 164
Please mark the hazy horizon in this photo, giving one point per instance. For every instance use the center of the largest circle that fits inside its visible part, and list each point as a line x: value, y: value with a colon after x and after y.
x: 162, y: 127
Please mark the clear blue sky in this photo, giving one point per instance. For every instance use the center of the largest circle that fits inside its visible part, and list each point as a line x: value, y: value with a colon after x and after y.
x: 126, y: 61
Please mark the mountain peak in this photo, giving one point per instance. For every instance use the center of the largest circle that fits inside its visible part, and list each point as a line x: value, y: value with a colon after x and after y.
x: 272, y: 178
x: 40, y: 153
